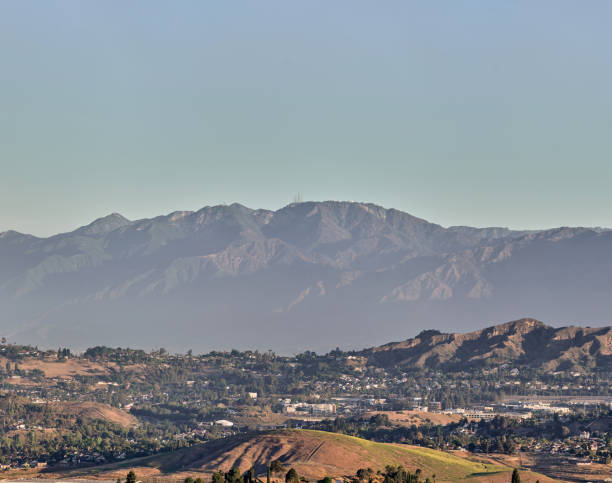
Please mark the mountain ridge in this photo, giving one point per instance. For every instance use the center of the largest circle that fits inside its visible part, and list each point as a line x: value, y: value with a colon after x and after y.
x: 264, y: 210
x: 308, y: 273
x: 524, y: 342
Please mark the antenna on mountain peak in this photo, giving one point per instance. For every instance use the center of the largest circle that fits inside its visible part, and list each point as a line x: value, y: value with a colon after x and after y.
x: 297, y: 198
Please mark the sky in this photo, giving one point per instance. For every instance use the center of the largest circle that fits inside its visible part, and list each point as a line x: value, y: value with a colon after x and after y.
x: 463, y: 113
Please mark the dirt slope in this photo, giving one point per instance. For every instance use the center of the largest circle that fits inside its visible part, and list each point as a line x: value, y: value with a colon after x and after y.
x: 93, y: 410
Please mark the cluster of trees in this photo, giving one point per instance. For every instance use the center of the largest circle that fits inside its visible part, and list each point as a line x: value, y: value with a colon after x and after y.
x: 73, y: 435
x: 391, y: 474
x: 16, y: 351
x: 499, y: 435
x: 273, y: 468
x: 398, y: 474
x: 63, y: 353
x: 115, y: 354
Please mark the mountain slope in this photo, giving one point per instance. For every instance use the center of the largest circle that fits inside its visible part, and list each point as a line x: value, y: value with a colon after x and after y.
x: 308, y: 276
x: 523, y: 342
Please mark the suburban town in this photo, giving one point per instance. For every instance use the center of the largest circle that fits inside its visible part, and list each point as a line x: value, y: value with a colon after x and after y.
x: 64, y: 410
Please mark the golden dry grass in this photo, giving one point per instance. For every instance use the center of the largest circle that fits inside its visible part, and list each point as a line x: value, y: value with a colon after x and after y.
x: 68, y: 368
x: 254, y: 417
x: 417, y: 418
x: 313, y: 454
x: 93, y: 410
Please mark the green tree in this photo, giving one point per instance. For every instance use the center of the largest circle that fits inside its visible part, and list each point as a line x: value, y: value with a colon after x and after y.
x: 233, y: 476
x: 292, y: 476
x: 131, y: 477
x: 380, y: 420
x: 189, y: 479
x: 277, y: 467
x: 516, y: 478
x: 365, y: 474
x: 218, y: 477
x: 248, y: 476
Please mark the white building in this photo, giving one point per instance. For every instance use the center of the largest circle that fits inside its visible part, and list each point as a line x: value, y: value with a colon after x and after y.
x: 224, y: 422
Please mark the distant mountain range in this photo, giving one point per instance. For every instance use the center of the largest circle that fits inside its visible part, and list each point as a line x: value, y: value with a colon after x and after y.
x: 520, y: 343
x: 311, y: 275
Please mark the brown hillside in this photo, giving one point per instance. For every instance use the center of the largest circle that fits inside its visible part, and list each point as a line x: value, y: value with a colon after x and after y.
x: 93, y: 410
x: 62, y: 369
x: 523, y: 342
x: 313, y: 454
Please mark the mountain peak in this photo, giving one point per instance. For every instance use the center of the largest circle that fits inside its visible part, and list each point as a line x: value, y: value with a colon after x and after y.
x: 526, y: 323
x: 11, y: 234
x: 104, y: 225
x: 330, y: 266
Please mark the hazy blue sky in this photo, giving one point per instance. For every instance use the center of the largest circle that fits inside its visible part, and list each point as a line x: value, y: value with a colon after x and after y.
x: 461, y: 112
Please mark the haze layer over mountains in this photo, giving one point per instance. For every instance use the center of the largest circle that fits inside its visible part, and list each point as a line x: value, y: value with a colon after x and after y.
x: 311, y: 275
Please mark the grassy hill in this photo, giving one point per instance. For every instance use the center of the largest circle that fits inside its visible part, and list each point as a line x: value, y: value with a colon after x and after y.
x: 93, y: 410
x: 313, y: 454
